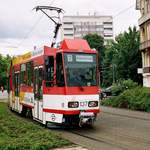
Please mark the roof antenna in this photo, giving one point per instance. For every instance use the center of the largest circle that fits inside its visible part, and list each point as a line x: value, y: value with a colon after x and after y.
x: 55, y: 19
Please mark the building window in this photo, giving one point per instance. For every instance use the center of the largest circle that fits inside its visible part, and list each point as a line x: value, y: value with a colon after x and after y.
x: 68, y: 34
x: 142, y: 34
x: 110, y: 29
x: 146, y: 6
x: 142, y: 7
x: 108, y: 35
x: 68, y: 28
x: 107, y: 23
x: 148, y: 31
x: 67, y: 22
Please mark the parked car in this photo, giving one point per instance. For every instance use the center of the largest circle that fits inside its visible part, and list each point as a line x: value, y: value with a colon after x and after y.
x: 105, y: 93
x: 108, y: 91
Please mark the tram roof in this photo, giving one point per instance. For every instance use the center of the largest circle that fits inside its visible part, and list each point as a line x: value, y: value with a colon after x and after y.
x: 75, y: 44
x: 67, y: 45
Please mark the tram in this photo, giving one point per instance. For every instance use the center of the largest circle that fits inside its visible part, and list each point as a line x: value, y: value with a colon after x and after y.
x: 56, y: 85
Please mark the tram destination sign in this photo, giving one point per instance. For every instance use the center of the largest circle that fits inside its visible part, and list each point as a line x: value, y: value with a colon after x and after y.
x: 84, y: 58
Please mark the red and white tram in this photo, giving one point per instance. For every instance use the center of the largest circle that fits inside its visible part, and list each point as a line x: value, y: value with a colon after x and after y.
x: 58, y: 85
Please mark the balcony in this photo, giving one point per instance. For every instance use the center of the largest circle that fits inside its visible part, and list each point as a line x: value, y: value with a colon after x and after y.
x: 144, y: 18
x: 145, y: 45
x: 146, y: 70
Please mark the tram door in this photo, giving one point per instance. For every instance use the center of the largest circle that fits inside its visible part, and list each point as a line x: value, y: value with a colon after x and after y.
x: 38, y: 93
x: 16, y: 83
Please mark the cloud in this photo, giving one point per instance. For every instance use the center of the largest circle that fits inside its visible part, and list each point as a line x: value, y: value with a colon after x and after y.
x: 18, y: 20
x: 17, y: 17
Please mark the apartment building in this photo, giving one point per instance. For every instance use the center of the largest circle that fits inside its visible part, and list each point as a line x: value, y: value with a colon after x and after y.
x: 144, y: 23
x: 79, y: 26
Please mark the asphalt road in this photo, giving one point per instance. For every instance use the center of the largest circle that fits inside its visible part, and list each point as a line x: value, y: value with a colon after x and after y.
x: 115, y: 129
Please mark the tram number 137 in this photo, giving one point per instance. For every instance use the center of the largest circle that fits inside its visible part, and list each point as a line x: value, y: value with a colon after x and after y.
x: 83, y: 104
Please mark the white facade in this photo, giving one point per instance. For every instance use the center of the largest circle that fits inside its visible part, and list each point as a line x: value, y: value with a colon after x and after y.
x: 79, y: 26
x: 144, y: 23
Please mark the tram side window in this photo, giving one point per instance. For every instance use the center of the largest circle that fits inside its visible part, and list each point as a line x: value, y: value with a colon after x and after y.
x: 49, y: 71
x: 13, y: 77
x: 38, y: 78
x: 16, y: 84
x: 59, y: 71
x: 23, y: 78
x: 40, y: 83
x: 29, y: 66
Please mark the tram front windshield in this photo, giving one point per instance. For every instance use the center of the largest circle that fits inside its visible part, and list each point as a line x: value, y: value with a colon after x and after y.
x: 80, y: 69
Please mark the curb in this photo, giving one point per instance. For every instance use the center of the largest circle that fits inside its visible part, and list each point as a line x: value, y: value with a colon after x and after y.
x: 126, y: 113
x: 3, y: 100
x: 72, y: 148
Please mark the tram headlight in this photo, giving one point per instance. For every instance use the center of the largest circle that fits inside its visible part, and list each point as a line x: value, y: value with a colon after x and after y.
x: 93, y: 104
x: 73, y: 104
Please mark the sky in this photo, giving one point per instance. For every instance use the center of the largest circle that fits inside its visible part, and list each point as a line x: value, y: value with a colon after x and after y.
x: 22, y: 28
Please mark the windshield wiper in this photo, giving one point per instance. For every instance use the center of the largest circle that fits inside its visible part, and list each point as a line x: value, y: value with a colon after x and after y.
x: 80, y: 84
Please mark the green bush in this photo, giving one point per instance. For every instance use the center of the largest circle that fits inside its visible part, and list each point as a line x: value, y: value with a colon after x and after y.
x: 137, y: 98
x: 123, y: 85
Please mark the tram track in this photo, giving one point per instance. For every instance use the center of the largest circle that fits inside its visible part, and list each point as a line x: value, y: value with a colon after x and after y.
x: 100, y: 140
x: 120, y: 140
x: 111, y: 142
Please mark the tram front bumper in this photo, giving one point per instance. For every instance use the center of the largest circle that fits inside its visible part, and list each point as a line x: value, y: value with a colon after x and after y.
x: 86, y: 118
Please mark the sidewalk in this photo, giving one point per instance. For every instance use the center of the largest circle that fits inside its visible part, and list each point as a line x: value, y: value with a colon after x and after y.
x: 126, y: 113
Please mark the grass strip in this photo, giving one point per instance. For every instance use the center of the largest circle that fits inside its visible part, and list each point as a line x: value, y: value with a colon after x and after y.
x: 17, y: 133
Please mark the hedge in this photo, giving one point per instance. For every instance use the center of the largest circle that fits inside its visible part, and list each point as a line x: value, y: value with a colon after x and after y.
x: 137, y: 98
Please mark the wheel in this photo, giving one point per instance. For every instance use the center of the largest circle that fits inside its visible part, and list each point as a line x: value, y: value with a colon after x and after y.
x: 24, y: 111
x: 29, y: 113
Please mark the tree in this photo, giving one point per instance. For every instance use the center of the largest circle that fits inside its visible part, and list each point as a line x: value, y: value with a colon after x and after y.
x: 124, y: 56
x: 128, y: 57
x: 97, y: 42
x: 109, y: 67
x: 4, y: 65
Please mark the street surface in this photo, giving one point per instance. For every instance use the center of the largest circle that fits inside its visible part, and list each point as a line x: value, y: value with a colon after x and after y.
x: 115, y: 129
